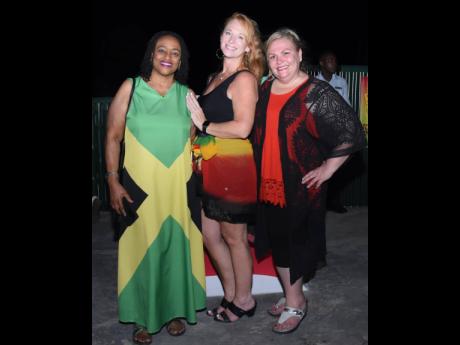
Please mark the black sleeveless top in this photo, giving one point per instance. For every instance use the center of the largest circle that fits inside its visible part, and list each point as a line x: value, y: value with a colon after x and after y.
x: 216, y: 105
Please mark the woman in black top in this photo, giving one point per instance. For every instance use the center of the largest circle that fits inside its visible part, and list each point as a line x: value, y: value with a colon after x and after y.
x: 224, y: 116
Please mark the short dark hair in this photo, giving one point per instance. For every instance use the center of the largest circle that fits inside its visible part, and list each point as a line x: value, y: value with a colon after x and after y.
x: 181, y: 74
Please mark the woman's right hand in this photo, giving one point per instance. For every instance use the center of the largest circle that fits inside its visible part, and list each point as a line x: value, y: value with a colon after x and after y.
x: 195, y: 109
x: 117, y: 193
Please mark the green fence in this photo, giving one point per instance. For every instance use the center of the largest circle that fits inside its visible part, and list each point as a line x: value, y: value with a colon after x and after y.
x: 355, y: 192
x: 100, y: 106
x: 354, y: 173
x: 353, y: 75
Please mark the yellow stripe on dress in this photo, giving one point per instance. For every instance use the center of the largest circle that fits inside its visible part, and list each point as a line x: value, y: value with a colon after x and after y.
x: 167, y: 182
x: 233, y: 147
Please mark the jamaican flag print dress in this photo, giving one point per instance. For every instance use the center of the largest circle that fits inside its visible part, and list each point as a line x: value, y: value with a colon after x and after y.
x: 161, y: 272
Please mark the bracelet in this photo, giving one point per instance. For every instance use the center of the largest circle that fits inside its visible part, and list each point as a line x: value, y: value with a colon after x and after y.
x: 205, y: 126
x: 109, y: 173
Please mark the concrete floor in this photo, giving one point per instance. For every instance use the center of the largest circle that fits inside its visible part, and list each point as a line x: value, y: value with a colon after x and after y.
x: 338, y: 296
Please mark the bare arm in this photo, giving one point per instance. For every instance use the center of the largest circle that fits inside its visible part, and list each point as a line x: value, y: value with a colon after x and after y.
x: 243, y: 93
x: 114, y: 135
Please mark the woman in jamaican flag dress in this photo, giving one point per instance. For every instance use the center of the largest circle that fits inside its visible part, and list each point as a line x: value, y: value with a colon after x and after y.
x: 161, y: 274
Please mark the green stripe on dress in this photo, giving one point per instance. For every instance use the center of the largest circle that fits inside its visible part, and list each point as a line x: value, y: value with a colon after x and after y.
x: 176, y: 294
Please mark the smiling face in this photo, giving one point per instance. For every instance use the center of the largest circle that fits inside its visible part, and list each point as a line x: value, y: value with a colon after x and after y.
x: 284, y: 59
x: 233, y: 40
x: 166, y: 56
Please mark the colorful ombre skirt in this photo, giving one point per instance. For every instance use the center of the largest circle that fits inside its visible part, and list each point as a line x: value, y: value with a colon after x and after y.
x: 227, y: 173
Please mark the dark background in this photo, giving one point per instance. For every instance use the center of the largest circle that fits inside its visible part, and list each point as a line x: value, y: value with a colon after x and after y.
x: 120, y: 32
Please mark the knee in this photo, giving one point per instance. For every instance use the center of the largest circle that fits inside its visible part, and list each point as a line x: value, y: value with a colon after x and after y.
x: 234, y: 240
x: 211, y: 241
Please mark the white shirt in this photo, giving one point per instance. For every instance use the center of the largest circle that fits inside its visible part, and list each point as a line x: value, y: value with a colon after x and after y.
x: 338, y: 83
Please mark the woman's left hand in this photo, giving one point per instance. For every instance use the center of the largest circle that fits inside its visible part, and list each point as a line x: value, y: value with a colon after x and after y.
x: 316, y: 177
x: 195, y: 109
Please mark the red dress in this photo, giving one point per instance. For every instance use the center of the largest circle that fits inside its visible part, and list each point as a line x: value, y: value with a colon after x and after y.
x: 226, y: 166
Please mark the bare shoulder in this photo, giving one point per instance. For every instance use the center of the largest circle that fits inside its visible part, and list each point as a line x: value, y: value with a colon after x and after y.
x: 243, y: 86
x: 126, y: 86
x: 245, y: 80
x: 122, y: 95
x: 245, y: 77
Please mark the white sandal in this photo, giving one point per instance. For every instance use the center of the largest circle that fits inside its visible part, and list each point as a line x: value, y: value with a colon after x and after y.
x: 288, y: 313
x: 278, y: 305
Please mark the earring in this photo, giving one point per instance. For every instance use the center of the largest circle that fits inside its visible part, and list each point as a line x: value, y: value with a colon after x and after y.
x: 220, y: 57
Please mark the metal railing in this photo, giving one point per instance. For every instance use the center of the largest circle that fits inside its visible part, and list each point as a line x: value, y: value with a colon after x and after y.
x: 100, y: 106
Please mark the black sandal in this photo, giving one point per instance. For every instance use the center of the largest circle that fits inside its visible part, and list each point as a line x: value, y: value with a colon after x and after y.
x: 213, y: 312
x: 237, y: 311
x: 138, y: 330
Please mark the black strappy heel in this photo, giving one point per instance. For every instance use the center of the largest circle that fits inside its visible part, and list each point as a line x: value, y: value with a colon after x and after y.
x: 213, y: 312
x: 237, y: 311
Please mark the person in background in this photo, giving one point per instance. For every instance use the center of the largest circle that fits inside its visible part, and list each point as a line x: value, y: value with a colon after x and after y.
x: 303, y: 132
x: 161, y: 274
x: 328, y: 66
x: 224, y: 116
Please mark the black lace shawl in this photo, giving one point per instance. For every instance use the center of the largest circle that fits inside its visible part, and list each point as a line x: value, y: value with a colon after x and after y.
x: 315, y: 124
